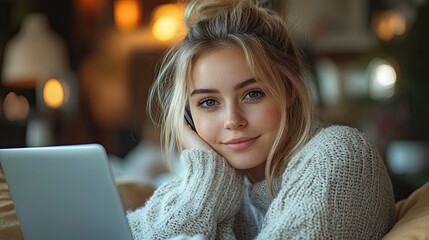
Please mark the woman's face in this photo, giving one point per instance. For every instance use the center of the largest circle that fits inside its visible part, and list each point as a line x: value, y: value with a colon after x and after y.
x: 230, y: 110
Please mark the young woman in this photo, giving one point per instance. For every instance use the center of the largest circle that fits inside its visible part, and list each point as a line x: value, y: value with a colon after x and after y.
x: 259, y: 165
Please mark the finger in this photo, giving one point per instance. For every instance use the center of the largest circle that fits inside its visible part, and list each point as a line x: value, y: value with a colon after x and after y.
x: 191, y: 139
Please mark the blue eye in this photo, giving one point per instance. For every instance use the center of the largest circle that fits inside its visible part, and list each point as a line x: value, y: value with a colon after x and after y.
x: 207, y: 103
x: 254, y: 94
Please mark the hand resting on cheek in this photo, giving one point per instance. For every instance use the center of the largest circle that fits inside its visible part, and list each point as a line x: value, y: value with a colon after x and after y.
x: 191, y: 139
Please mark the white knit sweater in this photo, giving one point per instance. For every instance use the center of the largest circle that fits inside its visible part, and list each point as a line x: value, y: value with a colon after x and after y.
x: 335, y: 187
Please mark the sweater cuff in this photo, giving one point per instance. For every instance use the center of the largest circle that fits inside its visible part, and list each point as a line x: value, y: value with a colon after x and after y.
x: 212, y: 181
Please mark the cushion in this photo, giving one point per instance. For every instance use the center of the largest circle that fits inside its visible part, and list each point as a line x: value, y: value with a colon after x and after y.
x: 134, y: 193
x: 9, y: 225
x: 412, y: 216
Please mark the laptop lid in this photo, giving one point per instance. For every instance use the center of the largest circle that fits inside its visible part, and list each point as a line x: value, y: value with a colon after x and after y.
x: 64, y: 192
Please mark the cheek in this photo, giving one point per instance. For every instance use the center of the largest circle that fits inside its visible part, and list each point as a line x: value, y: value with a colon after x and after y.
x: 268, y: 118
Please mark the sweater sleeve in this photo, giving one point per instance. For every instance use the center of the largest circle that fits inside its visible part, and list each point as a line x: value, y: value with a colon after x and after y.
x: 337, y: 187
x: 199, y: 203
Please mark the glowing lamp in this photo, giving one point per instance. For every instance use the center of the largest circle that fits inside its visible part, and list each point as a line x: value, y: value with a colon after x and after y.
x: 55, y: 93
x: 389, y: 24
x: 127, y: 14
x: 15, y: 107
x: 168, y: 22
x: 34, y: 54
x: 382, y: 79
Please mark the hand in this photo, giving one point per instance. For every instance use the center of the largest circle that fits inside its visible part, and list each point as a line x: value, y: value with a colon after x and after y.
x: 191, y: 139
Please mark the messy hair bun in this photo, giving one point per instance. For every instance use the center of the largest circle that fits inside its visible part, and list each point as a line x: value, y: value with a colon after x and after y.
x: 198, y: 10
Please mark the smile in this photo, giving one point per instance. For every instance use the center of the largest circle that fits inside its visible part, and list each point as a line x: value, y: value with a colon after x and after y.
x: 240, y: 144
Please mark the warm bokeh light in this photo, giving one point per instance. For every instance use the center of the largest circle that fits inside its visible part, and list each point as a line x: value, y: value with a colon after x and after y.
x: 385, y: 75
x: 15, y: 107
x: 389, y: 24
x: 127, y: 14
x: 382, y: 79
x: 54, y: 93
x: 168, y: 22
x: 89, y: 6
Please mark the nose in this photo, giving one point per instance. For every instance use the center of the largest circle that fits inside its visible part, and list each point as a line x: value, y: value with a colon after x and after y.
x: 235, y: 119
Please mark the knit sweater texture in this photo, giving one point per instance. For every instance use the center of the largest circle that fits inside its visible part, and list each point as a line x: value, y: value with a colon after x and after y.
x: 335, y: 187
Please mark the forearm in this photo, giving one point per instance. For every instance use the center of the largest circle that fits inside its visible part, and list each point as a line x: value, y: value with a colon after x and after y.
x: 208, y: 193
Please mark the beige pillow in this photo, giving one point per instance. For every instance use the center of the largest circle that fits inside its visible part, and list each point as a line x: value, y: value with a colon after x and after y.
x: 134, y: 193
x: 412, y: 216
x: 9, y: 225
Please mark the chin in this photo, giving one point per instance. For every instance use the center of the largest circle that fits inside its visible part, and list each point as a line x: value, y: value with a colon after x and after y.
x: 243, y: 164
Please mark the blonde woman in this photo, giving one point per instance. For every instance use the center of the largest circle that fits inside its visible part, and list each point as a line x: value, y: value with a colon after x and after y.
x: 259, y: 165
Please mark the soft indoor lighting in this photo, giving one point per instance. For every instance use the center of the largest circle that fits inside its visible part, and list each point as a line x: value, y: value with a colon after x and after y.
x: 385, y: 75
x: 89, y: 6
x: 34, y: 54
x: 127, y: 14
x: 388, y: 24
x: 15, y: 107
x: 382, y: 79
x: 54, y: 93
x: 168, y: 22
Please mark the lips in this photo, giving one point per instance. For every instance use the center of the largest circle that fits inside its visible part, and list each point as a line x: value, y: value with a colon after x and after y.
x: 240, y: 144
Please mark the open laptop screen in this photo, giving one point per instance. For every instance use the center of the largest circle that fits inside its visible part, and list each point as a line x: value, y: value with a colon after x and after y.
x: 64, y: 192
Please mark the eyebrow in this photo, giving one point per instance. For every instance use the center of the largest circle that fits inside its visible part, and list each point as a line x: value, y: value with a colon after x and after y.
x: 236, y: 87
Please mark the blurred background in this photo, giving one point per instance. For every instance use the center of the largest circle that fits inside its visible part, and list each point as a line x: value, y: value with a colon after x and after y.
x: 78, y: 71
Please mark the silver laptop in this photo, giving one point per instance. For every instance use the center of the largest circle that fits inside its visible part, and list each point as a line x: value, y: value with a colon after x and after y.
x: 65, y: 192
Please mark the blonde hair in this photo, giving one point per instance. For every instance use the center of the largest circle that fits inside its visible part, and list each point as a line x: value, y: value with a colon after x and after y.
x: 272, y: 55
